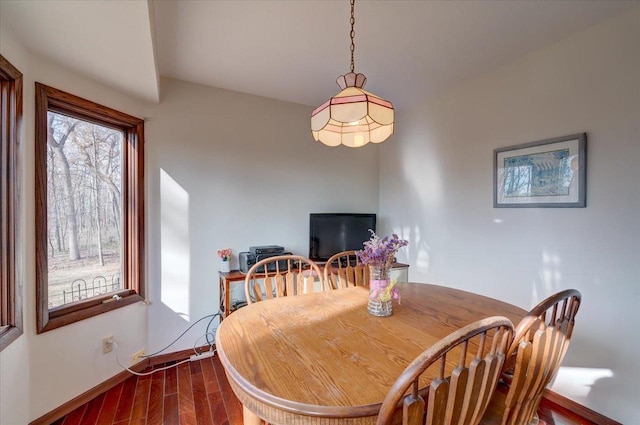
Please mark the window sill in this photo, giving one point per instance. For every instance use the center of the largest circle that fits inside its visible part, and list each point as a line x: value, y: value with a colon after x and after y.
x: 62, y: 316
x: 7, y: 336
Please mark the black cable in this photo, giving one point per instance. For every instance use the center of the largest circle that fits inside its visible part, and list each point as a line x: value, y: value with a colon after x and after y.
x: 207, y: 331
x: 213, y: 316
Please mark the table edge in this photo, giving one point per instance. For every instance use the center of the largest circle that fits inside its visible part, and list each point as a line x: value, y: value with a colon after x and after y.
x: 313, y: 410
x: 304, y: 409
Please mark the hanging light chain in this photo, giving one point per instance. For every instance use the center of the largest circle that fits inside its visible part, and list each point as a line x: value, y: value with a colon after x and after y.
x: 333, y: 122
x: 352, y: 34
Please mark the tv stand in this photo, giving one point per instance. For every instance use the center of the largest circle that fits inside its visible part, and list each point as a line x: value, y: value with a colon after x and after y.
x: 399, y: 272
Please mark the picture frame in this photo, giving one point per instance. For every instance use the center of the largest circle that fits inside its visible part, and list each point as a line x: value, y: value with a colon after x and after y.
x: 544, y: 174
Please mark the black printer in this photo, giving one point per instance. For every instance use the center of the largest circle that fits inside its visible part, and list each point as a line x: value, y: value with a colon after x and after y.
x: 257, y: 253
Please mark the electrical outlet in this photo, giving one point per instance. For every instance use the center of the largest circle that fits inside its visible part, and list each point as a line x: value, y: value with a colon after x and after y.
x: 107, y: 344
x: 137, y: 356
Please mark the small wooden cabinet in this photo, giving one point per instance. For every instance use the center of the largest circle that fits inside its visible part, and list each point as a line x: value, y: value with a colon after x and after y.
x: 399, y: 272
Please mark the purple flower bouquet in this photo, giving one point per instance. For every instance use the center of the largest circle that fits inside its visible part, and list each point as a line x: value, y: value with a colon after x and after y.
x: 379, y: 255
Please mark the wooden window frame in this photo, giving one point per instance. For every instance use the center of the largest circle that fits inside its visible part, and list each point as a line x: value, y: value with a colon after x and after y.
x: 51, y: 99
x: 10, y: 246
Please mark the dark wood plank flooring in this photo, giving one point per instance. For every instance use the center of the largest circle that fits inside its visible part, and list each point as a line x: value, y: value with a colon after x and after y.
x: 194, y: 393
x: 198, y: 393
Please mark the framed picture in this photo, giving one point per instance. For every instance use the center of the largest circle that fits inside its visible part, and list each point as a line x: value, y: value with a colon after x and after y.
x: 545, y: 174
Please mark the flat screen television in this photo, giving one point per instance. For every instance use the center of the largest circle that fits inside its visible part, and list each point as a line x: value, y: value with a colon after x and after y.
x: 330, y: 233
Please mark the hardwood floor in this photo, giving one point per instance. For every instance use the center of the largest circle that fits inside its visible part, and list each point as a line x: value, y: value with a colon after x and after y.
x: 194, y: 393
x: 198, y: 393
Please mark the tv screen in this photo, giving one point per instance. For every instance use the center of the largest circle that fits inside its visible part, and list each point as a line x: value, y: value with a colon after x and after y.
x: 335, y: 232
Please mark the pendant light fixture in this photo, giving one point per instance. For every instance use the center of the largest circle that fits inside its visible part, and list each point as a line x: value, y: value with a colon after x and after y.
x: 353, y: 117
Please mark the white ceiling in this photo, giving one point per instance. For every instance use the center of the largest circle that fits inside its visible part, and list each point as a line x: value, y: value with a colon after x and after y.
x: 108, y: 41
x: 294, y: 50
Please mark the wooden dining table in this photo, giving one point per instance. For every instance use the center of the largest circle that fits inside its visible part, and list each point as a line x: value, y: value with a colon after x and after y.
x: 321, y: 358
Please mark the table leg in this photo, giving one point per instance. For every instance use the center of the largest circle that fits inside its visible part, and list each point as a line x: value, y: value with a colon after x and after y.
x: 250, y: 418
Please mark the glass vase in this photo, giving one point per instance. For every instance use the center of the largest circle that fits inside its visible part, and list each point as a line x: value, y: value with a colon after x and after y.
x: 378, y: 281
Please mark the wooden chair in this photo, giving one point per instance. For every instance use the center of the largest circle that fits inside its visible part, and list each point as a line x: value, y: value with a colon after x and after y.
x: 282, y: 275
x: 344, y: 269
x: 541, y: 341
x: 458, y: 393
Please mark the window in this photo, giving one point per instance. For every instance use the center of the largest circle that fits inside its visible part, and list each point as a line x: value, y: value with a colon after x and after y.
x: 89, y: 208
x: 10, y: 122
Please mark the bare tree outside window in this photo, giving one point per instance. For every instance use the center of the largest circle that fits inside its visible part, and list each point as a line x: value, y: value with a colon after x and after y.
x: 84, y: 165
x: 89, y: 218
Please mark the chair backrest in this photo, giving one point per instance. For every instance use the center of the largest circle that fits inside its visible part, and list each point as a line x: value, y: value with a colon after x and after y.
x: 282, y: 275
x: 344, y: 269
x: 457, y: 393
x: 541, y: 341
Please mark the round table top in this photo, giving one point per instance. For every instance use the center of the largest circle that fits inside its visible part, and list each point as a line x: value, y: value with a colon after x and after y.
x: 324, y: 355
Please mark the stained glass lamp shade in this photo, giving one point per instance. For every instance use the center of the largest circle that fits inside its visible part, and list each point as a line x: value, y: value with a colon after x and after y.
x: 353, y: 117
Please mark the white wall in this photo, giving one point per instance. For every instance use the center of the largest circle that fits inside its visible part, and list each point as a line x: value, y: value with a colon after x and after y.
x: 223, y: 169
x: 229, y: 170
x: 436, y: 190
x: 41, y: 372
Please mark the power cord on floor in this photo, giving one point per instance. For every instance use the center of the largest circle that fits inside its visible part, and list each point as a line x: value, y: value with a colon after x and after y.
x: 196, y: 356
x: 115, y: 345
x: 212, y: 316
x: 211, y: 349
